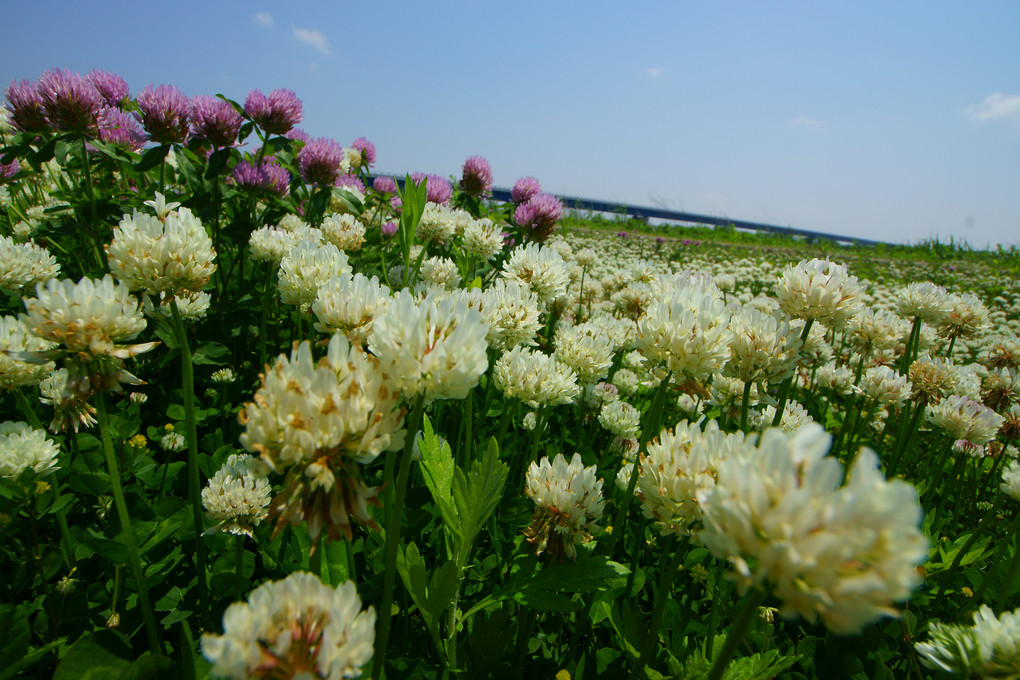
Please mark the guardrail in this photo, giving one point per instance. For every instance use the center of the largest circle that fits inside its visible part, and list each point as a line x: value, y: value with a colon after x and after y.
x: 646, y: 213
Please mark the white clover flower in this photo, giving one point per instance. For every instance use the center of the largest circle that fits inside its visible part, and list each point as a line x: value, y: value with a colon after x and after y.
x: 70, y: 410
x: 626, y: 381
x: 304, y: 269
x: 224, y: 376
x: 569, y: 502
x: 1011, y: 480
x: 967, y: 316
x: 21, y: 448
x: 512, y: 312
x: 312, y: 421
x: 91, y: 320
x: 925, y: 300
x: 483, y: 239
x: 686, y: 332
x: 191, y: 305
x: 539, y: 268
x: 678, y: 472
x: 964, y: 418
x: 437, y: 348
x: 598, y: 395
x: 24, y: 266
x: 842, y: 553
x: 439, y: 272
x: 16, y: 338
x: 932, y: 378
x: 349, y: 304
x: 763, y: 349
x: 344, y: 231
x: 535, y: 378
x: 885, y: 385
x: 820, y: 290
x: 237, y: 496
x: 173, y: 441
x: 298, y: 624
x: 170, y: 256
x: 839, y: 379
x: 438, y: 224
x: 990, y: 648
x: 872, y: 330
x: 795, y: 416
x: 270, y: 244
x: 620, y: 418
x: 586, y: 350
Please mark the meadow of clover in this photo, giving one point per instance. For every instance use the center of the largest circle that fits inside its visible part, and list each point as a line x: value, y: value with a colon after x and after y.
x: 266, y: 415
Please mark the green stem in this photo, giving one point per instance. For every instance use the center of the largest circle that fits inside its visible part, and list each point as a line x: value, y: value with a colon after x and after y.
x: 784, y: 388
x: 393, y: 538
x: 947, y: 575
x: 671, y: 565
x: 194, y: 481
x: 744, y: 404
x: 908, y: 434
x: 736, y: 633
x: 149, y: 619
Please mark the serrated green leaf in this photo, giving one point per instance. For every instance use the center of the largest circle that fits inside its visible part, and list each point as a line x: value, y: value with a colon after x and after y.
x: 442, y: 588
x: 476, y: 494
x: 149, y: 667
x: 411, y: 568
x: 100, y: 655
x: 438, y: 469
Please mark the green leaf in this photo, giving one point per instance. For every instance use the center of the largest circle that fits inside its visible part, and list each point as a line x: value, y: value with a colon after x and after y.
x: 411, y: 568
x: 350, y: 200
x: 336, y: 557
x: 217, y: 161
x: 211, y: 354
x: 149, y: 667
x: 476, y: 494
x: 438, y: 469
x: 442, y: 588
x: 152, y: 158
x: 14, y: 642
x: 100, y: 655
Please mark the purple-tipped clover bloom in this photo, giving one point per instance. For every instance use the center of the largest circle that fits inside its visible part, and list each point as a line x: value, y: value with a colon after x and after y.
x: 70, y: 100
x: 299, y: 135
x: 437, y: 189
x: 26, y: 107
x: 111, y: 87
x: 538, y: 216
x: 120, y: 128
x: 269, y: 177
x: 524, y: 189
x: 319, y: 161
x: 276, y: 113
x: 9, y: 170
x: 385, y: 185
x: 367, y: 150
x: 476, y: 176
x: 214, y: 119
x: 389, y: 229
x: 165, y: 112
x: 350, y: 182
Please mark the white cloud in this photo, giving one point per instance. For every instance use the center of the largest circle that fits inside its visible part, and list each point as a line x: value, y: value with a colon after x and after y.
x: 263, y: 18
x: 313, y: 37
x: 996, y: 106
x: 803, y: 121
x: 654, y: 72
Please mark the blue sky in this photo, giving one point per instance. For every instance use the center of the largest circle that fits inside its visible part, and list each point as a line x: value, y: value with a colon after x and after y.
x: 893, y: 121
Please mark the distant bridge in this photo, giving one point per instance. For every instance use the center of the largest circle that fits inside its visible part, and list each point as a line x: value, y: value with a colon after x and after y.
x: 647, y: 213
